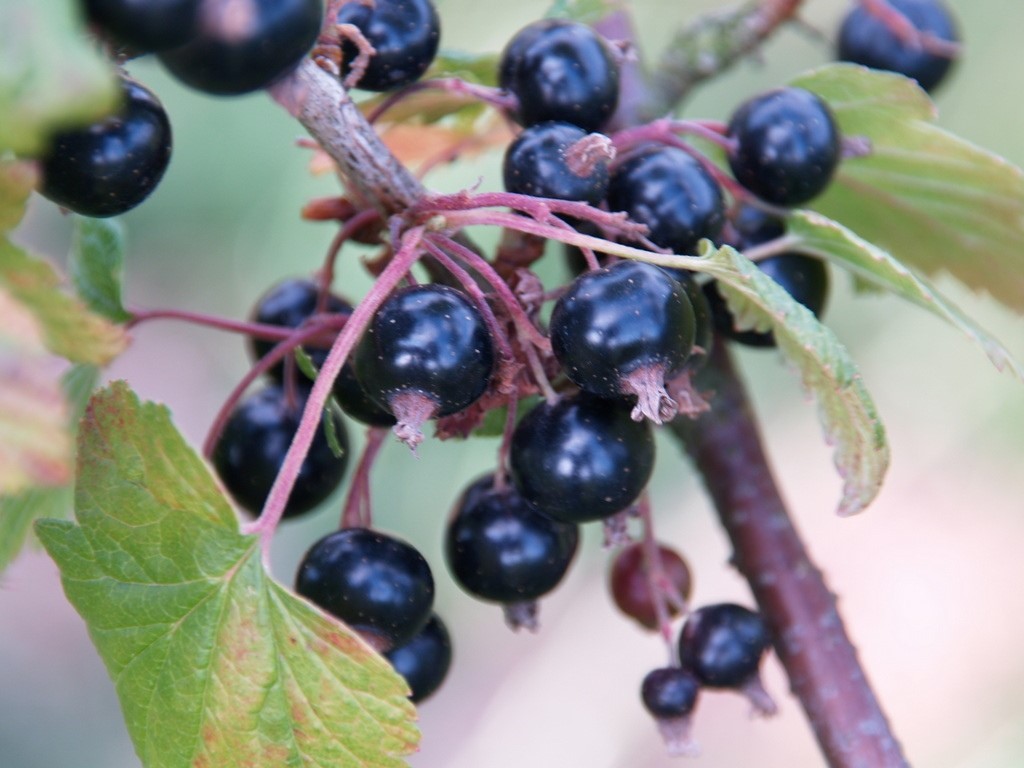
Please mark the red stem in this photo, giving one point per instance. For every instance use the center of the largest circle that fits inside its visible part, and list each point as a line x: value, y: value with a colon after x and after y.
x: 358, y: 512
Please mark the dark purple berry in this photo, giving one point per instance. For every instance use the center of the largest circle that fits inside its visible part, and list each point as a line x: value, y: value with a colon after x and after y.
x: 866, y: 39
x: 235, y: 52
x: 253, y: 444
x: 426, y: 353
x: 424, y: 660
x: 537, y: 163
x: 703, y: 324
x: 623, y: 330
x: 672, y: 193
x: 291, y: 304
x: 669, y: 693
x: 582, y: 458
x: 500, y: 549
x: 723, y: 644
x: 146, y: 25
x: 350, y: 395
x: 377, y: 584
x: 787, y: 146
x: 561, y: 70
x: 630, y: 582
x: 405, y: 35
x: 109, y: 167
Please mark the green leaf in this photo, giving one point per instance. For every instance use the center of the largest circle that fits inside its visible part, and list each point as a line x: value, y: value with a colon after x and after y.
x: 18, y: 512
x: 479, y: 68
x: 17, y: 180
x: 814, y: 234
x: 51, y: 75
x: 96, y: 265
x: 69, y: 329
x: 934, y: 201
x: 214, y: 664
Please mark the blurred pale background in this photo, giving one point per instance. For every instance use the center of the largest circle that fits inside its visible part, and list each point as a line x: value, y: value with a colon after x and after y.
x: 929, y: 577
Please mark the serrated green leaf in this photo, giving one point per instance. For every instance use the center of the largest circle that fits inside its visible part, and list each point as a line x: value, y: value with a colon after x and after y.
x: 69, y: 329
x: 818, y: 235
x: 214, y: 664
x: 19, y: 511
x: 96, y: 265
x: 51, y: 76
x: 933, y: 200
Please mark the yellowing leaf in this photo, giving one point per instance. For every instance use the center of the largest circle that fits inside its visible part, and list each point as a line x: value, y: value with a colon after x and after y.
x: 215, y: 665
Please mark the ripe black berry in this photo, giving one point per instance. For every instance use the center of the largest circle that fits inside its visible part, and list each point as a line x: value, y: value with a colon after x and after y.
x: 787, y: 146
x: 703, y: 325
x: 582, y: 458
x: 146, y: 25
x: 866, y: 39
x: 672, y: 193
x: 109, y: 167
x: 424, y: 660
x: 502, y: 550
x: 354, y: 401
x: 723, y: 644
x: 669, y: 692
x: 623, y: 330
x: 427, y: 352
x: 253, y: 444
x: 630, y: 581
x: 378, y: 585
x: 561, y: 70
x: 231, y: 55
x: 405, y: 35
x: 536, y: 164
x: 289, y: 304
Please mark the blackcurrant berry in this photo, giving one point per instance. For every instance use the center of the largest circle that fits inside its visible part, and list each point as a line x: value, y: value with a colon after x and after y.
x: 501, y: 549
x: 581, y: 458
x: 405, y: 35
x: 703, y: 324
x: 146, y: 25
x: 672, y: 193
x: 623, y: 330
x: 866, y: 39
x: 669, y: 692
x: 561, y: 70
x: 424, y: 660
x: 232, y: 55
x: 377, y: 584
x: 289, y: 304
x: 253, y: 444
x: 723, y: 644
x: 805, y: 278
x: 787, y: 146
x: 354, y: 401
x: 537, y: 164
x: 427, y: 352
x: 109, y: 167
x: 631, y: 582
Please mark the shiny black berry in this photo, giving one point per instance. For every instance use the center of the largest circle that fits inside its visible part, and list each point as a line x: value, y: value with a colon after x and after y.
x: 561, y: 70
x: 623, y: 330
x: 537, y: 164
x: 703, y: 324
x: 669, y: 692
x: 426, y: 353
x: 253, y: 444
x: 500, y: 549
x: 290, y: 304
x: 238, y: 51
x: 787, y: 146
x: 424, y: 660
x: 377, y: 584
x: 350, y: 395
x: 404, y: 34
x: 805, y: 278
x: 672, y: 193
x: 582, y: 458
x: 146, y: 25
x: 109, y: 167
x: 866, y: 39
x: 723, y: 644
x: 630, y: 581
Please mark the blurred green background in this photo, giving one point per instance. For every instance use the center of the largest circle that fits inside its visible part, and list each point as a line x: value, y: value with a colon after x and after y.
x: 928, y: 578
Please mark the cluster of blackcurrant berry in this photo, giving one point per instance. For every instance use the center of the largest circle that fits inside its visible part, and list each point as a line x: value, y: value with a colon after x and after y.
x: 615, y: 357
